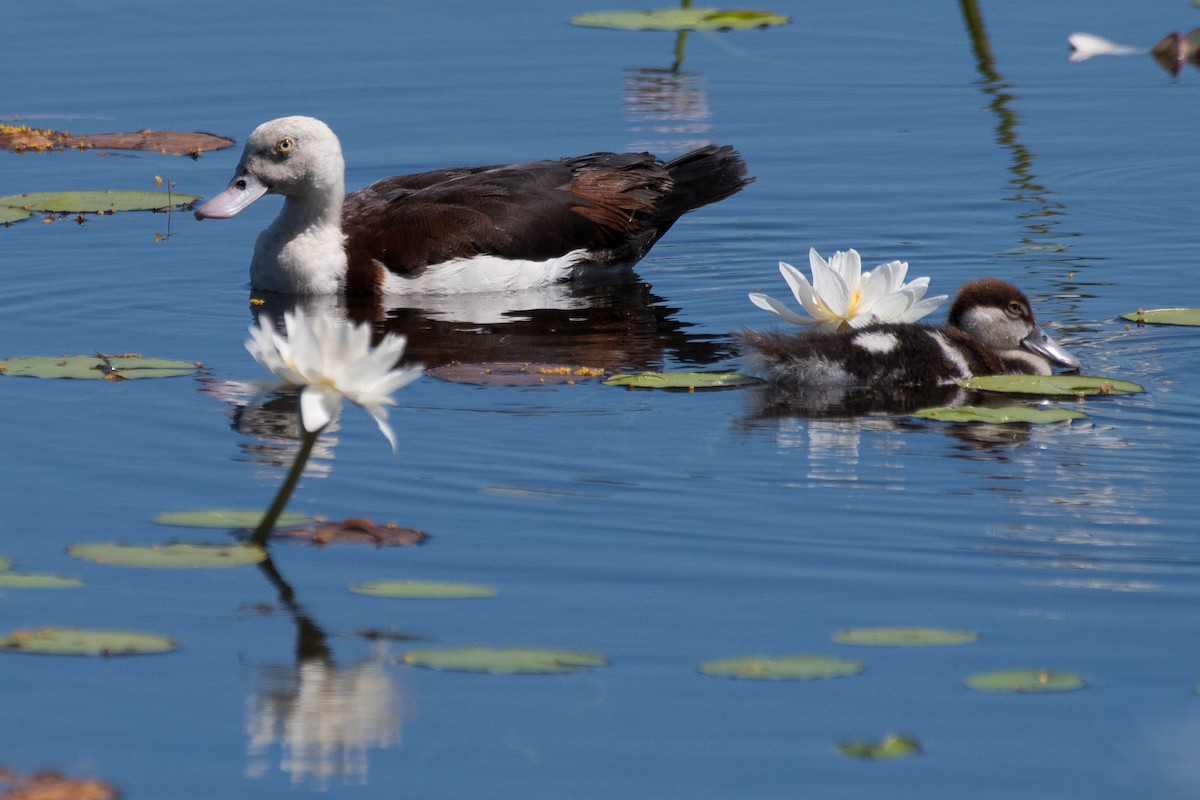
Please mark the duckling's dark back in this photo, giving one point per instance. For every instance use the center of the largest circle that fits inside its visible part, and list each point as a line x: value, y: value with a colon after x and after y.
x: 896, y: 355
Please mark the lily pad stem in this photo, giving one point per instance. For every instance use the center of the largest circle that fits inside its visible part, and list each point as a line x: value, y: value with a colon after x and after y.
x: 259, y: 537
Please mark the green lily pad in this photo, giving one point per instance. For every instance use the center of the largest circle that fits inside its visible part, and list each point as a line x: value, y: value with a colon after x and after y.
x: 83, y: 642
x: 1165, y: 316
x: 686, y: 381
x: 680, y: 19
x: 782, y: 668
x: 1005, y: 415
x: 13, y: 214
x: 1025, y: 680
x: 36, y: 580
x: 102, y: 201
x: 893, y: 746
x: 232, y: 518
x: 1072, y: 385
x: 112, y: 367
x: 169, y: 556
x: 904, y: 637
x: 423, y: 590
x: 510, y: 660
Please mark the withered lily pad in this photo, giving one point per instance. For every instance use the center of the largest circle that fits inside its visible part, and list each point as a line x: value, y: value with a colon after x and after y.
x: 36, y: 580
x: 680, y: 19
x: 504, y: 661
x: 515, y: 373
x: 169, y: 556
x: 681, y: 381
x: 893, y: 746
x: 356, y: 530
x: 1164, y: 316
x: 22, y: 139
x: 50, y: 785
x: 904, y: 637
x: 100, y: 366
x: 1005, y: 415
x: 781, y: 668
x: 1052, y: 385
x: 1025, y: 681
x: 98, y: 202
x: 84, y: 642
x: 423, y: 590
x: 232, y: 518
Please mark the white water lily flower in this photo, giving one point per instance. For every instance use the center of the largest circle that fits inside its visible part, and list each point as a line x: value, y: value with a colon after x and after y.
x: 1087, y: 45
x: 842, y: 296
x: 333, y: 359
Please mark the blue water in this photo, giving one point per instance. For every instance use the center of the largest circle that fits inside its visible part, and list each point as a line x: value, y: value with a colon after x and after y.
x: 658, y: 529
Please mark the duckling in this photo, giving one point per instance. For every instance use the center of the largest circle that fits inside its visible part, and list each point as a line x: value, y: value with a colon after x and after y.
x: 991, y: 331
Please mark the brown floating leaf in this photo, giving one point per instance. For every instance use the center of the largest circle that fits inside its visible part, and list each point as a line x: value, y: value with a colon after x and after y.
x: 54, y: 786
x: 514, y: 373
x: 355, y: 530
x: 20, y: 138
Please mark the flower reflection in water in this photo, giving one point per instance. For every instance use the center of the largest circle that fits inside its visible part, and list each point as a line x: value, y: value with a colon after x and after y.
x: 325, y: 718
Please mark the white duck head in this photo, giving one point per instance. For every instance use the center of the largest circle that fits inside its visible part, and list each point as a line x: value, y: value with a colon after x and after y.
x: 302, y: 251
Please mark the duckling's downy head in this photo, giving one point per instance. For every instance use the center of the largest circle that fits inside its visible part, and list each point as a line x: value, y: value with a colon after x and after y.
x: 998, y: 314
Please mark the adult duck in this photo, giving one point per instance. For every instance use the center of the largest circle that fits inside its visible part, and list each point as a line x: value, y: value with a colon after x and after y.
x: 466, y: 229
x: 991, y: 331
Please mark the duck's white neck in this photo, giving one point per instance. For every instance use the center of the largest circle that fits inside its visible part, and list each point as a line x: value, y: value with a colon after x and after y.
x: 302, y: 251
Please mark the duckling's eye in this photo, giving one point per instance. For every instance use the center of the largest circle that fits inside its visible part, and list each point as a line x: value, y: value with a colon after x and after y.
x: 285, y: 145
x: 1015, y: 309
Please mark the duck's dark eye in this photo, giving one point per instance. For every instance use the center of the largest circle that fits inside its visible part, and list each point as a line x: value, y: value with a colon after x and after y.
x: 1015, y: 308
x: 241, y: 184
x: 285, y: 145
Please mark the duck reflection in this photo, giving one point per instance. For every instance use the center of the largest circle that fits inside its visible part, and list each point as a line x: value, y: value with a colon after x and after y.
x: 324, y: 716
x: 614, y: 326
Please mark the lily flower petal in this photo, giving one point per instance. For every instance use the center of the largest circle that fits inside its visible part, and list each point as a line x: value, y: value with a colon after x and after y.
x: 841, y: 295
x: 332, y: 361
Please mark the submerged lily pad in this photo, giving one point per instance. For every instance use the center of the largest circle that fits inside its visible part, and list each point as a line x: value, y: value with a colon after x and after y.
x: 37, y: 580
x: 686, y: 381
x: 1025, y: 681
x: 782, y: 668
x: 904, y: 637
x: 84, y: 642
x: 892, y: 746
x: 103, y: 201
x: 112, y: 367
x: 1072, y: 385
x: 233, y: 518
x: 5, y: 564
x: 515, y: 373
x: 680, y: 19
x: 1005, y: 415
x: 355, y: 530
x: 504, y: 661
x: 1165, y: 316
x: 423, y: 590
x: 169, y: 556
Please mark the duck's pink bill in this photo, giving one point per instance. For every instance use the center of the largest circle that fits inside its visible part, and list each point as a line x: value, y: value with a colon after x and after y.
x: 241, y: 192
